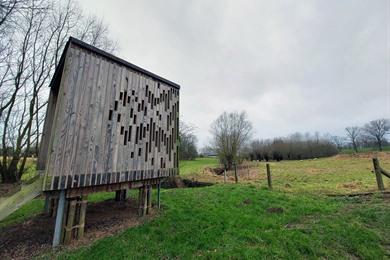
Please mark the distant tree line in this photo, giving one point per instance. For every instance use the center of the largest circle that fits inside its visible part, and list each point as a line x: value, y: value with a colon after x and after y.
x: 294, y: 147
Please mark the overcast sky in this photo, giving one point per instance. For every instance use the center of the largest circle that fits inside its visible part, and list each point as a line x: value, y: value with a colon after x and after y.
x: 292, y: 65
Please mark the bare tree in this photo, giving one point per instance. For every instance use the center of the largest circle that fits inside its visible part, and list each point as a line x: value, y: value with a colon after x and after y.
x: 338, y: 141
x: 187, y: 142
x: 377, y: 130
x: 230, y: 132
x: 353, y: 134
x: 30, y: 51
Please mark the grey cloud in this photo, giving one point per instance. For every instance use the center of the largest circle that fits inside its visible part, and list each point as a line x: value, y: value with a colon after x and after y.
x: 292, y: 65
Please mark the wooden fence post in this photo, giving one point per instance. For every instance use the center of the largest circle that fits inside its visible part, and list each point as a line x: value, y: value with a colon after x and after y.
x: 224, y: 175
x: 235, y: 173
x: 378, y: 174
x: 269, y: 179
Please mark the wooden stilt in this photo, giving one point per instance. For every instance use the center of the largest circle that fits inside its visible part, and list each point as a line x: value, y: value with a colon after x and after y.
x: 145, y: 201
x: 149, y: 198
x: 81, y: 224
x: 53, y: 204
x: 120, y: 195
x: 47, y: 204
x: 70, y: 220
x: 141, y: 193
x: 159, y: 194
x: 59, y: 219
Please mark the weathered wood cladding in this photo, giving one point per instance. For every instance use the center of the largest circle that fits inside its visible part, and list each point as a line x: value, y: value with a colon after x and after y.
x: 111, y: 124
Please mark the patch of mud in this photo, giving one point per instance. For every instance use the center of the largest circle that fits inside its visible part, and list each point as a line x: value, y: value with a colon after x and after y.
x: 177, y: 182
x: 7, y: 190
x: 366, y: 155
x: 34, y: 236
x: 275, y: 210
x: 247, y: 201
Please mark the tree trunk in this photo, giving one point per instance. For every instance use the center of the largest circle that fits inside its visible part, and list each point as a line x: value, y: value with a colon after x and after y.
x: 355, y: 147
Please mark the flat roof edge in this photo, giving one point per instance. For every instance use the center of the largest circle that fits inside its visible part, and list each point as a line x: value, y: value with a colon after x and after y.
x: 121, y: 61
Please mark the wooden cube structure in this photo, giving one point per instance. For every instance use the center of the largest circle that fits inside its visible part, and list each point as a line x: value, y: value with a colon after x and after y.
x: 110, y: 125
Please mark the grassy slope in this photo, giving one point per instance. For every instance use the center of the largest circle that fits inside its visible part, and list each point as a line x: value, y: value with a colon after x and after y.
x: 197, y: 165
x: 215, y: 222
x: 339, y: 174
x: 232, y: 221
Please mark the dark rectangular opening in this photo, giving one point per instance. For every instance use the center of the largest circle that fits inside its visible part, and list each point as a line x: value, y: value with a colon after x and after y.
x: 124, y: 98
x: 139, y: 151
x: 125, y: 139
x: 110, y: 115
x: 136, y: 134
x: 122, y: 129
x: 116, y: 105
x: 119, y: 117
x: 146, y: 152
x: 120, y: 95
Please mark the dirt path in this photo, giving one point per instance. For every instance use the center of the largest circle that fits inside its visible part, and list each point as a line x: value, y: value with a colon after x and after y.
x: 34, y: 236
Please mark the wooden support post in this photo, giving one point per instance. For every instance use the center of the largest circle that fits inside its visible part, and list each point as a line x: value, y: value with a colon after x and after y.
x: 70, y: 220
x: 159, y: 194
x: 145, y: 201
x: 142, y: 200
x: 235, y: 173
x: 269, y: 179
x: 120, y: 195
x: 81, y: 224
x: 53, y: 205
x: 59, y: 219
x: 224, y: 175
x: 149, y: 198
x: 47, y: 206
x: 378, y: 174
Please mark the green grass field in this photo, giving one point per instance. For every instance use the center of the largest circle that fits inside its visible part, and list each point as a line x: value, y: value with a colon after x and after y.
x: 233, y: 220
x: 197, y: 165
